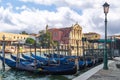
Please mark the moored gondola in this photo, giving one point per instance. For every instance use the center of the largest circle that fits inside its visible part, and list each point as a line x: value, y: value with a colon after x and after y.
x: 50, y: 69
x: 64, y: 60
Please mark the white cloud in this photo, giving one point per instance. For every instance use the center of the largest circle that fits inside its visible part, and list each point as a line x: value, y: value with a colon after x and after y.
x: 45, y: 2
x: 36, y: 19
x: 33, y: 20
x: 22, y: 8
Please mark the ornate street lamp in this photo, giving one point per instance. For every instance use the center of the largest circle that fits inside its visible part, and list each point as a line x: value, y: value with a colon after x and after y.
x: 106, y: 9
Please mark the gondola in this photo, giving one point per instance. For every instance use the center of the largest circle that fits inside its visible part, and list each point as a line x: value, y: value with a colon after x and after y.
x: 67, y: 69
x: 9, y: 62
x: 39, y: 58
x: 42, y: 61
x: 28, y: 60
x: 53, y: 55
x: 50, y: 69
x: 46, y: 60
x: 14, y: 58
x: 27, y: 57
x: 62, y: 60
x: 23, y: 65
x: 65, y: 59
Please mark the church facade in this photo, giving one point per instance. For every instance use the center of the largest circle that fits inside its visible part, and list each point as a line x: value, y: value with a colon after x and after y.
x: 69, y: 38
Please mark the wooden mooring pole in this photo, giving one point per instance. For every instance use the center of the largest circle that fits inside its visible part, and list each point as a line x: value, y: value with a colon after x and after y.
x: 3, y: 52
x: 30, y: 52
x: 18, y: 54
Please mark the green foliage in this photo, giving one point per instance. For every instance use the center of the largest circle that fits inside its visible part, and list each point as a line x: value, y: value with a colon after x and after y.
x: 55, y: 43
x: 24, y: 32
x: 46, y: 40
x: 41, y: 32
x: 30, y: 41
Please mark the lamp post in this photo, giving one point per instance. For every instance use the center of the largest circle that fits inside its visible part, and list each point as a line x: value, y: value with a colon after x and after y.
x: 106, y: 9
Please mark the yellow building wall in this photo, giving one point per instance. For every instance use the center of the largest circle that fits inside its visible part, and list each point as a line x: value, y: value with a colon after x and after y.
x: 12, y: 36
x: 92, y: 36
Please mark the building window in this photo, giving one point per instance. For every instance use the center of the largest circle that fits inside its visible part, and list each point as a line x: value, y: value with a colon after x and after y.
x: 96, y: 36
x: 55, y: 34
x: 14, y: 37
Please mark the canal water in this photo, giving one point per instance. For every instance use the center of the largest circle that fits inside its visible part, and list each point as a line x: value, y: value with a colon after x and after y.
x: 11, y: 74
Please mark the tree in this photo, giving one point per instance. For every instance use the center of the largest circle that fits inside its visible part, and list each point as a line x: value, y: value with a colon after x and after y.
x: 30, y: 41
x: 45, y: 40
x: 24, y: 32
x: 41, y: 32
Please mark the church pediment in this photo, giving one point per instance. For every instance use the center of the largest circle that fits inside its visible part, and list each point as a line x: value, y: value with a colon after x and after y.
x: 77, y: 27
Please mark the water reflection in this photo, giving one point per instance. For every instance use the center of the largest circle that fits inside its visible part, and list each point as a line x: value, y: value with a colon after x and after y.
x: 11, y: 74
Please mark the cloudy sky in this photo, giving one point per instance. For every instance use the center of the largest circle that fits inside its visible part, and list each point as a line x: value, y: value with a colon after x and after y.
x: 34, y: 15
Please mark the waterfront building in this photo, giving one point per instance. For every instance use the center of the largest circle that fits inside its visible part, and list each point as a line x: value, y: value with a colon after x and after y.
x: 13, y: 37
x: 114, y: 37
x: 69, y: 38
x: 10, y: 38
x: 92, y: 36
x: 115, y: 44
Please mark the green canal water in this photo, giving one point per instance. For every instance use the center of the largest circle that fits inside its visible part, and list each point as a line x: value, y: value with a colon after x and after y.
x: 11, y: 74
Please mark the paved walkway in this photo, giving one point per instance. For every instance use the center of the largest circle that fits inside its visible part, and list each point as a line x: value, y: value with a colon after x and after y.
x: 98, y: 73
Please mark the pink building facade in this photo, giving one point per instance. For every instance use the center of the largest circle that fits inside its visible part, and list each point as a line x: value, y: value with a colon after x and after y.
x: 68, y: 37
